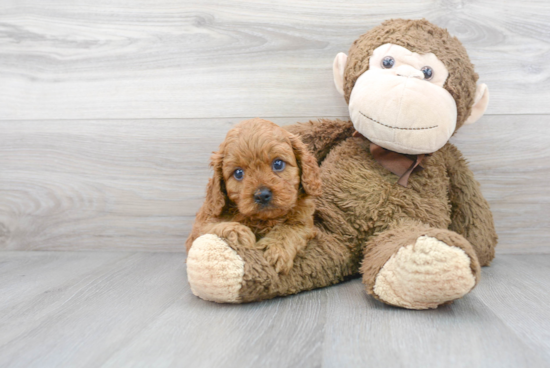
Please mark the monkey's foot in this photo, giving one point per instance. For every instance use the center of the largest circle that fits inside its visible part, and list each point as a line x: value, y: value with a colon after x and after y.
x: 425, y: 275
x: 214, y: 270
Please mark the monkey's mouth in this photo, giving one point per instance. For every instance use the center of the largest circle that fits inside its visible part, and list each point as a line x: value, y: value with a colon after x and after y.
x: 394, y: 127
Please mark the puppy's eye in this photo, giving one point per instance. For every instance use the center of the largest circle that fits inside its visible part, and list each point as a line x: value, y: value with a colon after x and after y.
x: 278, y: 165
x: 388, y: 62
x: 238, y: 174
x: 428, y: 72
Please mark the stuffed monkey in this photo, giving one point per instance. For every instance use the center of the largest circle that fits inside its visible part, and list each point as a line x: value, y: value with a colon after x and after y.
x: 400, y: 206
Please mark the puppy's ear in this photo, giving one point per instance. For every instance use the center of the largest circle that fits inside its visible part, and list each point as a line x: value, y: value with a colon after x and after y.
x: 310, y: 180
x: 214, y: 201
x: 215, y: 190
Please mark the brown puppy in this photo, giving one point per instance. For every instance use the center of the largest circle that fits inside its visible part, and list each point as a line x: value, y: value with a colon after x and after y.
x: 261, y: 193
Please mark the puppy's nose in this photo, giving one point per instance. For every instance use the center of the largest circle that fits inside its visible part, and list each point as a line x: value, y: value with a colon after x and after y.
x: 263, y: 196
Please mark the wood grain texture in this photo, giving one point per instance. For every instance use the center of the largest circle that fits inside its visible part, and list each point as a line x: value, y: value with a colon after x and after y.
x: 216, y: 59
x: 136, y: 185
x: 510, y: 156
x: 466, y: 334
x: 527, y: 287
x: 135, y: 309
x: 103, y: 184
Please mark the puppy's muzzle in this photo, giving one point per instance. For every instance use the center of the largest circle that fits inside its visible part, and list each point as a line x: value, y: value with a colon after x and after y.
x: 263, y: 196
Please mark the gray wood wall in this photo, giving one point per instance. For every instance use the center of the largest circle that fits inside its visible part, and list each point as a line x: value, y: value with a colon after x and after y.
x: 109, y: 109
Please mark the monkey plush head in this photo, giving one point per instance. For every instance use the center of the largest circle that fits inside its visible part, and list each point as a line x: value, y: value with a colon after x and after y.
x: 409, y: 86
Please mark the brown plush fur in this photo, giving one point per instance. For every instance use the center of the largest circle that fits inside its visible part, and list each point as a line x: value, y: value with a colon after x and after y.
x: 364, y: 217
x: 283, y: 226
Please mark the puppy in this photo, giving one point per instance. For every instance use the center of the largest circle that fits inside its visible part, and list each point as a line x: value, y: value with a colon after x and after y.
x: 261, y: 194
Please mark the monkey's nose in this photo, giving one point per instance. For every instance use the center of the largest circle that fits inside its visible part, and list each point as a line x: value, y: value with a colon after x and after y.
x: 409, y: 72
x: 263, y: 196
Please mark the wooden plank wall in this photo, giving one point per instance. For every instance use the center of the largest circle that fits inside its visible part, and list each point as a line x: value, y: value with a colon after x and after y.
x: 109, y: 109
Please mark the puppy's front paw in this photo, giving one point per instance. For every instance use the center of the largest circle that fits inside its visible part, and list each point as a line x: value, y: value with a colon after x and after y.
x: 276, y: 255
x: 235, y: 233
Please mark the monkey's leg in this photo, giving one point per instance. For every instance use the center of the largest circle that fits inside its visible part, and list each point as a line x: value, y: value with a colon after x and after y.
x: 224, y: 273
x: 415, y: 266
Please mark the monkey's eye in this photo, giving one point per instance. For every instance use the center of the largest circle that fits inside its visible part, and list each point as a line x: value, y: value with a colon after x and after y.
x: 238, y: 174
x: 428, y: 72
x: 388, y: 62
x: 278, y: 165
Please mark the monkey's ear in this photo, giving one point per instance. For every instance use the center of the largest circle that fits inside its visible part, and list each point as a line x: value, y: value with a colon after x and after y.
x: 338, y: 67
x: 480, y: 104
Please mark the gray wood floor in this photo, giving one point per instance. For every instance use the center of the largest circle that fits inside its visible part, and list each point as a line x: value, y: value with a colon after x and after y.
x: 117, y: 309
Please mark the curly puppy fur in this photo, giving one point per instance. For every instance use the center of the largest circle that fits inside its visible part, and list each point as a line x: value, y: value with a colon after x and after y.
x: 281, y: 227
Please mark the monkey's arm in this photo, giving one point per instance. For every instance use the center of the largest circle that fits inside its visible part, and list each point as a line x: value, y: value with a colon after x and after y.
x: 470, y: 213
x: 320, y: 136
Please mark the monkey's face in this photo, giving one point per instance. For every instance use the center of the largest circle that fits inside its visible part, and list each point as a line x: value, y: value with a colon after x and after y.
x: 410, y: 94
x: 400, y: 104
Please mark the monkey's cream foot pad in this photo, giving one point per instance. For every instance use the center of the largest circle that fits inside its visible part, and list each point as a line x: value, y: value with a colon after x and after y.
x: 214, y: 270
x: 424, y: 275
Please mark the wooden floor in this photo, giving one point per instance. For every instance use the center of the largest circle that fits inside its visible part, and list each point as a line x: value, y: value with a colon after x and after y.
x: 117, y: 309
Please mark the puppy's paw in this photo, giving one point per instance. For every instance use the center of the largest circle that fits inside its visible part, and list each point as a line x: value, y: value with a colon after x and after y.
x: 235, y: 233
x: 276, y: 255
